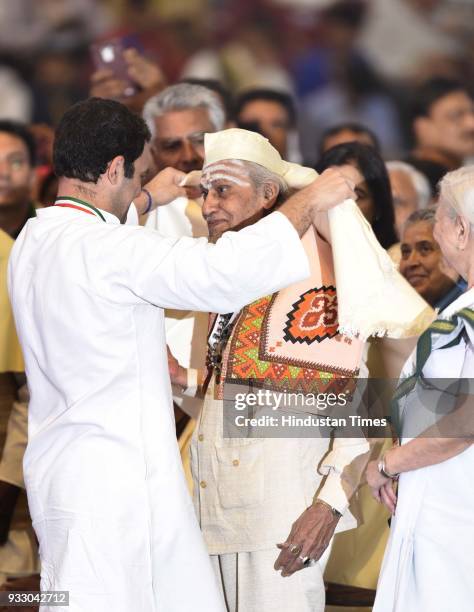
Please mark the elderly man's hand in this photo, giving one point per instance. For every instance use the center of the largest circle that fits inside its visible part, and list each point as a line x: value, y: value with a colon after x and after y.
x: 309, y: 537
x: 331, y: 188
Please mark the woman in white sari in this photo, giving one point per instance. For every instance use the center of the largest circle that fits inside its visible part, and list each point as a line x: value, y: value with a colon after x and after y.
x: 429, y: 561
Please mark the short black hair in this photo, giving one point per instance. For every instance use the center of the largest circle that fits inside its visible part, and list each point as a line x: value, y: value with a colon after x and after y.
x: 21, y: 131
x: 351, y: 126
x: 218, y: 88
x: 373, y: 169
x: 269, y: 95
x: 93, y: 132
x: 349, y: 13
x: 430, y: 92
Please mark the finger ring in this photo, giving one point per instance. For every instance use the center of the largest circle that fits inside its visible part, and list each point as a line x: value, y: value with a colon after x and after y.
x: 307, y: 561
x: 295, y: 549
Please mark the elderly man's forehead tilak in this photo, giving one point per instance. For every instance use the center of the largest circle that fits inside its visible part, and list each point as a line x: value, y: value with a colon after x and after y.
x: 231, y: 170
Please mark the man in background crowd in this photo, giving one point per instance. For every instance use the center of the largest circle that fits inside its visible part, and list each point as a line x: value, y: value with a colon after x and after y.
x: 17, y: 176
x: 443, y: 128
x: 271, y: 113
x: 178, y: 118
x: 18, y: 549
x: 348, y: 132
x: 410, y: 191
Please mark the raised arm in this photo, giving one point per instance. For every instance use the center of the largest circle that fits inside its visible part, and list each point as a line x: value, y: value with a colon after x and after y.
x: 242, y: 266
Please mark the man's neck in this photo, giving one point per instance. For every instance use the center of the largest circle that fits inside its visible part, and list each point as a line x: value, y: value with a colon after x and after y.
x: 88, y: 192
x: 13, y: 217
x: 438, y: 156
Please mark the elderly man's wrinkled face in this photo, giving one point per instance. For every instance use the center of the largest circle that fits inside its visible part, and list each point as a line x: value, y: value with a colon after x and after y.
x: 405, y: 198
x: 449, y: 126
x: 231, y: 200
x: 422, y: 262
x: 179, y: 140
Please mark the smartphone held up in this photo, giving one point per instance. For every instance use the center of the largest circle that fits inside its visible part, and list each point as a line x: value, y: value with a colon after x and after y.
x: 109, y: 55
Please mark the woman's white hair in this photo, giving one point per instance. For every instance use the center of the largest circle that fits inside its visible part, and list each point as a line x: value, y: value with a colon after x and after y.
x: 457, y: 190
x: 420, y: 182
x: 184, y: 96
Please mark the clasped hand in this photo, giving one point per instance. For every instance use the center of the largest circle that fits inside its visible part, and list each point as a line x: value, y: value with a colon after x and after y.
x: 309, y: 537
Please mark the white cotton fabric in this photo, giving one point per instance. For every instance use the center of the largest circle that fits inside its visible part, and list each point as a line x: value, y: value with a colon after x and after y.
x: 373, y: 297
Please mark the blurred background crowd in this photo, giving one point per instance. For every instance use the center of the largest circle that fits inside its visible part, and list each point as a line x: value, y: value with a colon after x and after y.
x: 354, y: 60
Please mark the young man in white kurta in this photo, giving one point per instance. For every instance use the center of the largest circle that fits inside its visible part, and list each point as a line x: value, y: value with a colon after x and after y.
x: 248, y: 491
x: 102, y: 468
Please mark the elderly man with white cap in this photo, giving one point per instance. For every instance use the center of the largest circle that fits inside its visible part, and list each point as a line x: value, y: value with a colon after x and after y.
x: 250, y: 492
x: 254, y: 492
x: 429, y: 563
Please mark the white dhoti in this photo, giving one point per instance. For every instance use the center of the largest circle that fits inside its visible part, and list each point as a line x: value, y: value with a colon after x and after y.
x: 250, y: 584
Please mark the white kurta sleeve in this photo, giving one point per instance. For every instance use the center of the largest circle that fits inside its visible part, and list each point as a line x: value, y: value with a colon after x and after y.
x: 132, y: 215
x: 192, y: 274
x: 343, y: 473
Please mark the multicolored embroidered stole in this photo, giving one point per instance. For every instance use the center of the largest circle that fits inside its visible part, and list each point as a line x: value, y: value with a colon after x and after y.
x: 75, y: 203
x: 289, y: 341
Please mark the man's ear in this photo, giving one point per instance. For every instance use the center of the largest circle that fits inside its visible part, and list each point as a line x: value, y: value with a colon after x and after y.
x: 116, y: 170
x: 270, y: 194
x: 463, y: 232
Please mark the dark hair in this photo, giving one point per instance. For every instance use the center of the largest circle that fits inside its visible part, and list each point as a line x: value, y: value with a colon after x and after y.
x: 373, y: 169
x: 349, y: 13
x: 424, y: 214
x: 93, y: 132
x: 430, y: 92
x: 269, y: 95
x: 357, y: 128
x: 21, y: 131
x: 217, y: 87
